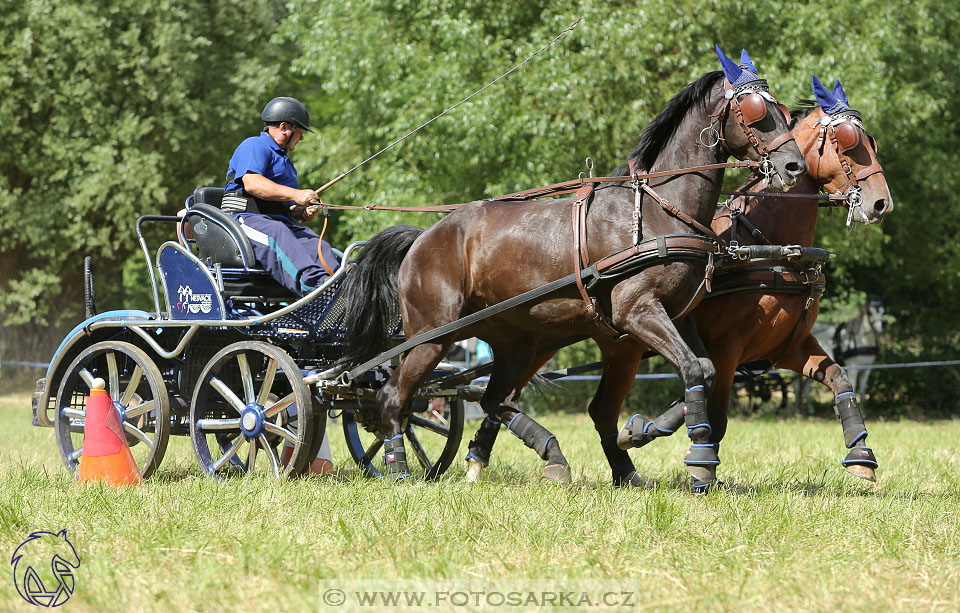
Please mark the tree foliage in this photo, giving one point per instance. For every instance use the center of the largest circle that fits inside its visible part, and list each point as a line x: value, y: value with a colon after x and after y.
x: 112, y: 110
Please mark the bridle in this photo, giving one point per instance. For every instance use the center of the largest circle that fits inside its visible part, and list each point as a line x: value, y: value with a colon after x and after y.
x: 844, y: 129
x: 749, y: 110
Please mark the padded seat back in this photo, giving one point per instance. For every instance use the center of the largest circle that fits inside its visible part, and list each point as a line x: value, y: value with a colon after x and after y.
x: 220, y: 239
x: 218, y: 235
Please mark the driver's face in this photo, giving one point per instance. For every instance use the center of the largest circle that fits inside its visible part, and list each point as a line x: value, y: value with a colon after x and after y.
x: 296, y: 135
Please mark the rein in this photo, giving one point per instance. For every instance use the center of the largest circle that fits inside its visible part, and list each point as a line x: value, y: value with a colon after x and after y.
x: 556, y: 189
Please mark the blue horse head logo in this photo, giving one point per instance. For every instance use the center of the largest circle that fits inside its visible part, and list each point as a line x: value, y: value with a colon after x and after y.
x: 43, y: 568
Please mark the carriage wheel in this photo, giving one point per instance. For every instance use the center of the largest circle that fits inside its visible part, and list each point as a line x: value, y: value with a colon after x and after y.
x: 246, y: 403
x: 431, y: 438
x: 139, y: 394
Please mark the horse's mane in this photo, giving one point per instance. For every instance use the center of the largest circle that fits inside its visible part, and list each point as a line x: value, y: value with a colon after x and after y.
x: 803, y: 107
x: 655, y: 136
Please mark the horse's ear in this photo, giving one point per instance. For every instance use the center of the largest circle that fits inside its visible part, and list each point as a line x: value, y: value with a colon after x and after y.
x: 838, y: 93
x: 825, y: 99
x: 730, y: 68
x: 747, y: 62
x: 63, y: 534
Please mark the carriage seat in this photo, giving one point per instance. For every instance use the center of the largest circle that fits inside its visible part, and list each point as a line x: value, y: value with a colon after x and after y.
x: 220, y: 240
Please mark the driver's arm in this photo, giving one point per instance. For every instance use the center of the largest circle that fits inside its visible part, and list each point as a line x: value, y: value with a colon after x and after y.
x: 265, y: 189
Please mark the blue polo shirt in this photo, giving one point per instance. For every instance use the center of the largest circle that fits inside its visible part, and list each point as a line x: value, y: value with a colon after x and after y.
x: 262, y: 155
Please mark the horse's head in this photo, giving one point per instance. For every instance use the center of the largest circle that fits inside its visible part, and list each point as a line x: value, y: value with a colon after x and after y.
x: 753, y: 126
x: 874, y: 313
x: 842, y: 156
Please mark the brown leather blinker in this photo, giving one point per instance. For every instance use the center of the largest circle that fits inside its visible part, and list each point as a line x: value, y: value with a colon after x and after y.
x: 753, y: 107
x: 848, y: 135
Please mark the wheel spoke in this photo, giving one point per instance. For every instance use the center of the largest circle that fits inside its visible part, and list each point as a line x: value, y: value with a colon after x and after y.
x: 140, y: 409
x: 137, y: 432
x: 209, y: 425
x: 433, y: 426
x: 268, y: 378
x: 280, y: 405
x: 73, y: 413
x: 229, y: 453
x: 252, y: 456
x: 87, y: 377
x: 274, y: 460
x: 224, y: 390
x: 282, y: 432
x: 132, y: 386
x: 246, y: 377
x: 371, y: 451
x: 75, y: 454
x: 113, y: 374
x: 418, y: 449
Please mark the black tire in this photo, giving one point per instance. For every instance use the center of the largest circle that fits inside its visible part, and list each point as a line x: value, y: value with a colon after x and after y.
x: 432, y: 440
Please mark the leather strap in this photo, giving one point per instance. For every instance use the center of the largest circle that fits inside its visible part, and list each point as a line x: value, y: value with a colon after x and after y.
x: 581, y: 258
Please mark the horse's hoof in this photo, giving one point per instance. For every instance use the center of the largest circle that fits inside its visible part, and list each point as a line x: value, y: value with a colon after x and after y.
x: 633, y: 480
x: 625, y: 439
x: 864, y: 472
x: 700, y: 487
x: 474, y: 468
x: 559, y: 473
x: 702, y: 474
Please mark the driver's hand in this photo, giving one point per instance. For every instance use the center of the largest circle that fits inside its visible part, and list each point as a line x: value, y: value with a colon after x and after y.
x: 305, y: 197
x: 310, y: 212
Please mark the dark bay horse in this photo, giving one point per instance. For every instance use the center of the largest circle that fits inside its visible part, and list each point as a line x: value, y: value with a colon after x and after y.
x: 487, y: 252
x: 749, y: 323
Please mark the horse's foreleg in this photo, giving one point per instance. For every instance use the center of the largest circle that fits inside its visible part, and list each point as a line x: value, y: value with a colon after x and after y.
x: 810, y: 360
x: 620, y: 361
x: 654, y: 328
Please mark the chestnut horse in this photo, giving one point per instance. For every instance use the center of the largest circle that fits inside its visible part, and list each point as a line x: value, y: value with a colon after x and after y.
x: 746, y: 322
x: 487, y: 252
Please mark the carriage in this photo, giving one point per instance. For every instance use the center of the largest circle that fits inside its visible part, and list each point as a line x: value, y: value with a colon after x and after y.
x: 232, y: 360
x: 242, y: 367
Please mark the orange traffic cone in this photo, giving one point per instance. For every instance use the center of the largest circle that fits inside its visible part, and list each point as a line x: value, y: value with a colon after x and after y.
x: 105, y: 455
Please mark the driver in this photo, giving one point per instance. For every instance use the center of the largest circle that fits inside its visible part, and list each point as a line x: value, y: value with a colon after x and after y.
x: 264, y: 195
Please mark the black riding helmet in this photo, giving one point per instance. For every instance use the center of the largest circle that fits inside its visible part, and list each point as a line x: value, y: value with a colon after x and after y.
x: 286, y: 109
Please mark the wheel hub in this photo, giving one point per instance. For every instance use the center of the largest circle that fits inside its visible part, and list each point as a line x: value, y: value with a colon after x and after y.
x: 251, y: 420
x: 121, y: 410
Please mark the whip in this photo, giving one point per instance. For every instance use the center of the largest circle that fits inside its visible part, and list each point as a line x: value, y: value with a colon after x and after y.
x: 426, y: 123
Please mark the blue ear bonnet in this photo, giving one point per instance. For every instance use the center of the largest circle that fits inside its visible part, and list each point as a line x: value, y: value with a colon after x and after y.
x: 737, y: 74
x: 831, y: 102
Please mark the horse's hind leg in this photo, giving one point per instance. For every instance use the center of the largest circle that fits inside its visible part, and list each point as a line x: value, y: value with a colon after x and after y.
x: 500, y: 402
x: 395, y: 396
x: 810, y: 360
x: 480, y: 448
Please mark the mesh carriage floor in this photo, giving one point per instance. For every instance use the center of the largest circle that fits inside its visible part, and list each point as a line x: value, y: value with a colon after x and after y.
x: 319, y: 319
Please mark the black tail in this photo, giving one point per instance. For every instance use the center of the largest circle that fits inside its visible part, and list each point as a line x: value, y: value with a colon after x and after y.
x: 370, y: 293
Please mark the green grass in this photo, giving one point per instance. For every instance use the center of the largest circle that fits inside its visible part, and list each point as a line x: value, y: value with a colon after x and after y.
x: 793, y: 532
